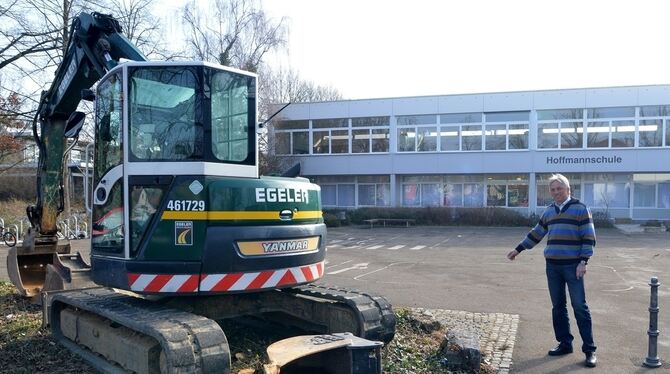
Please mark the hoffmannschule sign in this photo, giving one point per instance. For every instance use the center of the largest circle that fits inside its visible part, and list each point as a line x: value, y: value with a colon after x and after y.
x: 583, y: 160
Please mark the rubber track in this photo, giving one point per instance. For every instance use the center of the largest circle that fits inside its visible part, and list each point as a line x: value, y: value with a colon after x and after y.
x: 191, y: 343
x: 376, y: 318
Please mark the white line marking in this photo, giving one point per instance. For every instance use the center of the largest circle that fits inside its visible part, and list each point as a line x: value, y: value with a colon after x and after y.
x: 340, y: 264
x: 378, y: 270
x: 417, y: 247
x: 396, y: 247
x: 375, y: 247
x: 361, y: 266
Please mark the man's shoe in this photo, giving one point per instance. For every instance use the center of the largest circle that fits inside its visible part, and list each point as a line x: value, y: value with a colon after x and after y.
x: 591, y: 359
x: 560, y: 350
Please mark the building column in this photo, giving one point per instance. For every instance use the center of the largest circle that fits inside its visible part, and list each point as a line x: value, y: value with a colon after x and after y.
x: 394, y: 195
x: 532, y: 194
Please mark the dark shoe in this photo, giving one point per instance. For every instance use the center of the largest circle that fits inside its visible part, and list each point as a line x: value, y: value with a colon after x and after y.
x: 560, y: 350
x: 591, y: 359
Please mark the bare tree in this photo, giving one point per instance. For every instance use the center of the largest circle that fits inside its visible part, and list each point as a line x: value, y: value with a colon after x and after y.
x: 276, y: 88
x: 232, y: 32
x: 11, y: 145
x: 140, y: 26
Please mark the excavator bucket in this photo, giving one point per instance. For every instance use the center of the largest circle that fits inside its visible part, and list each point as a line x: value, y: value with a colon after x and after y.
x: 341, y: 353
x: 27, y: 265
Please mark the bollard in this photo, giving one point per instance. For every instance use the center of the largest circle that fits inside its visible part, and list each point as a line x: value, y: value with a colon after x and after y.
x: 652, y: 359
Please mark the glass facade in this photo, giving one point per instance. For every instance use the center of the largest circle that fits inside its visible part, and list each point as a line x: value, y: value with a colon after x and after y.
x: 578, y: 141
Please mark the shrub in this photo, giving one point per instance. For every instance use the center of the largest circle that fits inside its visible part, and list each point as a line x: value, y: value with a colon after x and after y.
x: 331, y: 220
x: 445, y: 216
x: 652, y: 223
x: 602, y: 219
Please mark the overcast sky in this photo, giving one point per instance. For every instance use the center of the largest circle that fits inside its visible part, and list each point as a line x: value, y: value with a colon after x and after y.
x: 369, y: 48
x: 390, y: 48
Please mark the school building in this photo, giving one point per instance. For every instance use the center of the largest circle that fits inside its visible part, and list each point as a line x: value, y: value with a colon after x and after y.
x: 490, y: 149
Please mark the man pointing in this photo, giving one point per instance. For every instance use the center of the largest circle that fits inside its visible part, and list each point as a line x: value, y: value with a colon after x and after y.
x: 571, y: 237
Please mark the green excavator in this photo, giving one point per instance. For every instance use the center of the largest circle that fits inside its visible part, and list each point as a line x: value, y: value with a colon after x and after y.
x: 184, y: 230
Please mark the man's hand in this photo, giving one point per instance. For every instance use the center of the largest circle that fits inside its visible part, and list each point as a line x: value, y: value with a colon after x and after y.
x: 581, y: 270
x: 512, y: 254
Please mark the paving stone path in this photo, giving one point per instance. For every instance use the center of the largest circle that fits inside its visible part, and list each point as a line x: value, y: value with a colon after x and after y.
x: 496, y: 333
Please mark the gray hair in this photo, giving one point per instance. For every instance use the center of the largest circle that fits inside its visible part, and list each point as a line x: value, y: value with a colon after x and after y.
x: 560, y: 178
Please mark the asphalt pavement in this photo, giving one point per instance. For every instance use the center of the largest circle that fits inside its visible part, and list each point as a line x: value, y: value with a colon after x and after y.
x: 465, y: 269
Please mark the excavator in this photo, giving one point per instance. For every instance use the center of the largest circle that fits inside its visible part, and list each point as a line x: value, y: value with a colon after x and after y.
x: 184, y: 230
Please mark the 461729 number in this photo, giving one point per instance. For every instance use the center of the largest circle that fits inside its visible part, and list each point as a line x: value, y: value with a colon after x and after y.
x: 188, y: 205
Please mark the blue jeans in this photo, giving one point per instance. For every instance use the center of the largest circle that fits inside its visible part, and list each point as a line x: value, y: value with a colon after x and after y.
x: 557, y: 277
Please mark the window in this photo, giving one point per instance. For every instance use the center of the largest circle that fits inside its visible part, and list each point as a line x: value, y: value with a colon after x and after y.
x: 597, y: 134
x: 604, y: 193
x: 449, y: 138
x: 366, y: 195
x: 345, y: 194
x: 426, y: 139
x: 517, y: 195
x: 361, y: 141
x: 471, y: 137
x: 496, y: 194
x: 453, y: 194
x: 473, y: 195
x: 616, y: 112
x: 571, y: 134
x: 380, y: 140
x: 644, y: 195
x: 410, y: 195
x: 651, y: 133
x: 547, y: 135
x: 329, y: 194
x: 406, y: 140
x: 283, y: 143
x: 623, y: 133
x: 430, y: 194
x: 461, y: 118
x: 233, y: 113
x: 370, y: 121
x: 321, y: 142
x: 518, y: 136
x: 559, y: 114
x: 330, y: 123
x: 289, y: 139
x: 416, y: 120
x: 663, y: 195
x: 495, y: 136
x: 374, y: 194
x: 339, y: 141
x: 300, y: 143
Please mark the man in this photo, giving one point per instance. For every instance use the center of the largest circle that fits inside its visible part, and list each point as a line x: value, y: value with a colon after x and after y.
x: 571, y: 238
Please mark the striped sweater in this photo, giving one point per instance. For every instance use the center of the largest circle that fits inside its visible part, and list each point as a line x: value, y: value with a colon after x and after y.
x: 571, y: 233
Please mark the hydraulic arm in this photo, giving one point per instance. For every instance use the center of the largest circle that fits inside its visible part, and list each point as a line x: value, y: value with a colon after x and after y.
x: 95, y: 45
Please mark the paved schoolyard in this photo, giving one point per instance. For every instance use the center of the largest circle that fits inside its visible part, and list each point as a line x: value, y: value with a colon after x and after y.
x: 465, y: 269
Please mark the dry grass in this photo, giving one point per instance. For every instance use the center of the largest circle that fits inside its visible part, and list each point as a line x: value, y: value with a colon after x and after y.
x: 25, y: 347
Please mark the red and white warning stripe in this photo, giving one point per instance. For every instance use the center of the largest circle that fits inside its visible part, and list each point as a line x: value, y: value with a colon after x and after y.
x: 188, y: 283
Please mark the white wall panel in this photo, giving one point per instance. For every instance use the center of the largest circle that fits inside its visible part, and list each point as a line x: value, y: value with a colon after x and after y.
x: 335, y: 109
x: 654, y: 95
x: 611, y: 97
x: 508, y: 101
x: 460, y: 104
x: 370, y: 108
x: 415, y: 105
x: 559, y: 99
